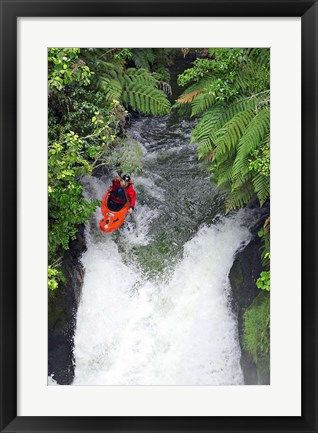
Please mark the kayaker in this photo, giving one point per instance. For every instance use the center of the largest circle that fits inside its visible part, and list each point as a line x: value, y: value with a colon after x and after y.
x: 122, y: 190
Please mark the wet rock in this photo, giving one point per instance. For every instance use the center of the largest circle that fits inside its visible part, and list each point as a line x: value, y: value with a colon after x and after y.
x: 243, y: 275
x: 63, y: 306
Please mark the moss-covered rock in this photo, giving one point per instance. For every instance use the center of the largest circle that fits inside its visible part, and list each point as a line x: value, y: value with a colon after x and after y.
x: 243, y: 275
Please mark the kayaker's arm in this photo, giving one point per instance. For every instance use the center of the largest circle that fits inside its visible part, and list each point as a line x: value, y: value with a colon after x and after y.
x: 131, y: 194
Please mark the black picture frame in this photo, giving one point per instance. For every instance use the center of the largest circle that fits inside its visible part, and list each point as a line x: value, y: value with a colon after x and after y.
x: 10, y: 11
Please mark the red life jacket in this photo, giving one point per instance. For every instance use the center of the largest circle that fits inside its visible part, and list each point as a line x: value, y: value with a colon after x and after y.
x: 119, y: 196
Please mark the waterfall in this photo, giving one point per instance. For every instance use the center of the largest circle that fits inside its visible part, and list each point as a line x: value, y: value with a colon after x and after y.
x: 155, y: 306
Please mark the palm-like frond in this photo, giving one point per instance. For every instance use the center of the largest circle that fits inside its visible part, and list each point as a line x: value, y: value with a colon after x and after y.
x: 140, y: 76
x: 257, y: 129
x: 145, y: 99
x: 261, y: 56
x: 227, y: 137
x: 228, y: 134
x: 135, y: 88
x: 111, y: 87
x: 188, y: 97
x: 239, y: 197
x: 261, y: 185
x: 195, y: 89
x: 202, y: 102
x: 224, y: 172
x: 204, y: 149
x: 112, y: 70
x: 143, y: 57
x: 215, y: 118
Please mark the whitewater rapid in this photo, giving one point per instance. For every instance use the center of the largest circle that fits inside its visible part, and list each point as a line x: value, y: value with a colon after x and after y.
x: 155, y: 306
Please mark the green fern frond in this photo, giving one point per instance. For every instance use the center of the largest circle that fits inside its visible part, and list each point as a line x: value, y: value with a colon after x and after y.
x: 135, y: 88
x: 202, y: 102
x: 261, y: 56
x: 254, y: 75
x: 204, y: 83
x: 233, y: 135
x: 210, y: 122
x: 145, y: 99
x: 111, y: 88
x: 239, y: 197
x: 183, y: 109
x: 195, y: 88
x: 239, y: 179
x: 139, y: 76
x: 112, y: 70
x: 219, y: 115
x: 261, y: 185
x: 108, y: 66
x: 162, y: 72
x: 204, y: 149
x: 243, y: 81
x: 143, y: 57
x: 227, y: 137
x: 224, y: 172
x: 257, y: 130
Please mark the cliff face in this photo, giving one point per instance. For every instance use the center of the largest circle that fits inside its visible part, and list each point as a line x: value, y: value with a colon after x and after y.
x: 243, y: 275
x: 62, y: 314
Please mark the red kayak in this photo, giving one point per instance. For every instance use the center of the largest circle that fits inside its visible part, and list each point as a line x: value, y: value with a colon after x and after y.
x: 112, y: 220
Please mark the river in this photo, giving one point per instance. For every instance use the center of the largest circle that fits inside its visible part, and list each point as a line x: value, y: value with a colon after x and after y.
x: 155, y: 306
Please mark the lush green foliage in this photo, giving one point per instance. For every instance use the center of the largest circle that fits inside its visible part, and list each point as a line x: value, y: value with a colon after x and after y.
x: 257, y: 317
x: 54, y: 277
x: 73, y: 107
x: 133, y: 77
x: 88, y: 92
x: 263, y: 282
x: 138, y: 89
x: 66, y: 158
x: 228, y: 61
x: 256, y: 338
x: 67, y: 206
x: 230, y: 91
x: 65, y: 68
x: 264, y: 233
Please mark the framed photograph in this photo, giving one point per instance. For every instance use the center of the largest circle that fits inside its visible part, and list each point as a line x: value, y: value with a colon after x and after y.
x: 181, y: 323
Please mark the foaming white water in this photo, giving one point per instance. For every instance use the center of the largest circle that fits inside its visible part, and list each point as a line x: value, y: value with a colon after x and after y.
x: 152, y: 189
x: 136, y: 228
x: 51, y: 381
x: 178, y: 330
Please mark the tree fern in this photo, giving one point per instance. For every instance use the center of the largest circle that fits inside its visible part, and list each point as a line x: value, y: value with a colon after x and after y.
x: 202, y: 102
x: 134, y: 88
x: 195, y: 89
x: 261, y: 187
x: 143, y: 57
x: 111, y: 87
x: 239, y: 197
x: 140, y: 76
x: 228, y: 137
x: 233, y: 132
x: 224, y: 172
x: 261, y: 56
x: 257, y: 129
x: 205, y: 149
x: 145, y: 99
x: 188, y: 97
x: 219, y: 114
